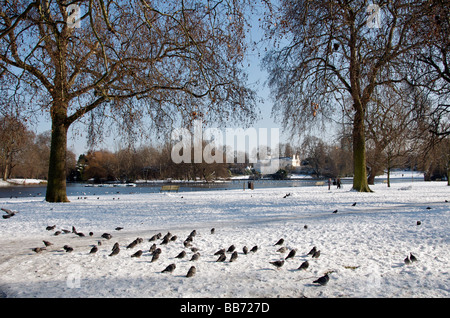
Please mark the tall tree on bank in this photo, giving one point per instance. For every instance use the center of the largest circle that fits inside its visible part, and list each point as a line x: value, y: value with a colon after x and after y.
x: 167, y: 61
x: 330, y: 49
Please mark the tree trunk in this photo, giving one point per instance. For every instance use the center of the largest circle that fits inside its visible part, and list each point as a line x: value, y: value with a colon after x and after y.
x: 56, y: 186
x: 359, y: 153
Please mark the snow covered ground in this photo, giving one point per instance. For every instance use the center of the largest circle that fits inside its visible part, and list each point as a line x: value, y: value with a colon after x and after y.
x: 363, y: 247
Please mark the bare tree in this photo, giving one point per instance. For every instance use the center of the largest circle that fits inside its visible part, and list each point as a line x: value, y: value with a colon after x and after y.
x: 166, y: 61
x: 328, y: 49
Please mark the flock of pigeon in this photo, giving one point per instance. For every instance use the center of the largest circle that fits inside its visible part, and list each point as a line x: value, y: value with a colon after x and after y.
x: 155, y: 251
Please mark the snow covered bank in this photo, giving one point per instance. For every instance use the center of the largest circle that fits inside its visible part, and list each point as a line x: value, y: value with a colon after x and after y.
x: 363, y: 246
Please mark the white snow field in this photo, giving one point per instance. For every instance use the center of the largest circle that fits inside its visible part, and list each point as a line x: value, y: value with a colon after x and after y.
x: 363, y: 247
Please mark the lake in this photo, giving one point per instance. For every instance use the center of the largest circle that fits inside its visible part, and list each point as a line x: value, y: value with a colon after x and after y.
x: 80, y: 189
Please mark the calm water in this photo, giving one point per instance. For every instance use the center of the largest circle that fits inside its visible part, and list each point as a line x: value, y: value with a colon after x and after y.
x: 79, y: 189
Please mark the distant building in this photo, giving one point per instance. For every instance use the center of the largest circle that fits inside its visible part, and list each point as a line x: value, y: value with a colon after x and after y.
x: 272, y: 165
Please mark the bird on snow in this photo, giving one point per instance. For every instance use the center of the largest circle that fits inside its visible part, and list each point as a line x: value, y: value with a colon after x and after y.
x: 221, y: 251
x: 38, y: 249
x: 47, y: 243
x: 67, y: 248
x: 119, y: 228
x: 107, y: 236
x: 354, y: 204
x: 322, y: 280
x: 282, y: 250
x: 311, y: 252
x: 335, y: 211
x: 213, y: 230
x: 181, y: 255
x: 9, y: 213
x: 137, y: 254
x: 231, y: 249
x: 50, y: 228
x: 245, y: 250
x: 316, y: 254
x: 94, y: 250
x: 132, y: 244
x: 304, y: 265
x: 221, y: 258
x: 193, y: 233
x: 254, y: 249
x: 80, y: 234
x: 234, y: 256
x: 407, y: 260
x: 152, y: 248
x: 305, y: 226
x: 115, y: 251
x: 280, y: 242
x: 169, y: 269
x: 291, y: 254
x: 418, y: 222
x: 195, y: 257
x: 277, y: 264
x: 412, y: 257
x: 191, y: 271
x: 155, y: 257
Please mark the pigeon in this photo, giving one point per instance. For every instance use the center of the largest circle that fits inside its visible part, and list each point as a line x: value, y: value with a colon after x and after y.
x: 221, y: 251
x: 79, y: 234
x: 322, y: 280
x: 221, y: 258
x: 132, y: 244
x: 233, y: 256
x: 47, y: 243
x: 91, y: 233
x: 155, y: 257
x: 165, y: 240
x: 280, y: 242
x: 181, y: 255
x: 231, y: 249
x: 74, y: 230
x: 66, y: 231
x: 169, y: 269
x: 191, y: 272
x: 213, y: 230
x: 115, y: 251
x: 428, y: 208
x: 50, y: 228
x: 152, y: 248
x: 173, y: 238
x: 305, y: 226
x: 194, y: 249
x: 116, y: 245
x: 304, y: 265
x: 418, y: 222
x: 119, y: 228
x: 312, y: 251
x: 38, y: 249
x: 254, y: 249
x: 94, y: 250
x: 193, y: 233
x: 137, y: 254
x: 9, y: 213
x: 412, y: 257
x: 407, y: 260
x: 107, y: 236
x: 195, y: 257
x: 67, y: 248
x: 291, y: 254
x: 57, y: 233
x: 316, y: 254
x: 282, y: 249
x: 335, y: 211
x: 277, y: 264
x: 354, y: 204
x: 245, y: 250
